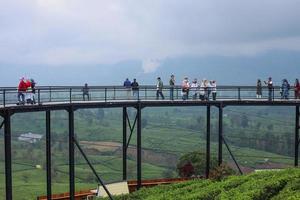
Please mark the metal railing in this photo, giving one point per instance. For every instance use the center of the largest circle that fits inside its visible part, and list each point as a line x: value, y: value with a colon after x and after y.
x: 47, y: 94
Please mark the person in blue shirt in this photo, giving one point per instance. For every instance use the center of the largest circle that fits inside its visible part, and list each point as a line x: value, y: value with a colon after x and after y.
x: 127, y: 85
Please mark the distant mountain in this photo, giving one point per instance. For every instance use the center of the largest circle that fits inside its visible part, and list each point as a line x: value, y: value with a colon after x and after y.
x: 226, y: 70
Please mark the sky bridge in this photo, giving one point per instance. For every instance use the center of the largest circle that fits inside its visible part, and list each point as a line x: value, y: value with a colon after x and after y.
x: 72, y: 98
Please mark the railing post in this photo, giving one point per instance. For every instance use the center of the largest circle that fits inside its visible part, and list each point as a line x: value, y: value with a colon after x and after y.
x: 177, y: 93
x: 70, y: 95
x: 105, y: 94
x: 114, y: 93
x: 50, y: 93
x: 145, y: 93
x: 239, y: 93
x: 207, y: 141
x: 273, y: 93
x: 39, y: 96
x: 4, y: 97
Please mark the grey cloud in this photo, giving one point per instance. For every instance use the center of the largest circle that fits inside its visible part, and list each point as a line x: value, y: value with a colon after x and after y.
x: 59, y: 32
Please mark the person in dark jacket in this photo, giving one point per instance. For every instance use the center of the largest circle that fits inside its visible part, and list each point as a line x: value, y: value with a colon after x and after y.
x: 85, y: 92
x: 172, y: 85
x: 135, y: 88
x: 285, y: 87
x: 258, y: 89
x: 127, y: 85
x: 33, y: 89
x: 270, y: 88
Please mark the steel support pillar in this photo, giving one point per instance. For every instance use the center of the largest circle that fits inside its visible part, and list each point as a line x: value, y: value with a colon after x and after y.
x: 71, y: 155
x: 297, y: 137
x: 7, y: 149
x: 124, y: 143
x: 207, y: 141
x: 48, y: 153
x: 220, y: 156
x: 139, y: 146
x: 93, y: 169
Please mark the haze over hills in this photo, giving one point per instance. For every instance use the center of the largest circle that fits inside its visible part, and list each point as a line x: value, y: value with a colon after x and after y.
x: 225, y: 69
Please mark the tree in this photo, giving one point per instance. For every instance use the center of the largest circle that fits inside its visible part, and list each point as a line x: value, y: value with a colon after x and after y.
x: 194, y: 163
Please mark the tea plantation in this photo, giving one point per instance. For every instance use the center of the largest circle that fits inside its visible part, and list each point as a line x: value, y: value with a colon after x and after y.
x: 275, y: 185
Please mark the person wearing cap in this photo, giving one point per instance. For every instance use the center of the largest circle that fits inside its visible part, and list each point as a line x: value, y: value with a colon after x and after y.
x: 159, y: 88
x: 21, y: 91
x: 195, y: 88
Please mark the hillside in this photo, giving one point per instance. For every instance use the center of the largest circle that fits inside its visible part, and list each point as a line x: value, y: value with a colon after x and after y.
x: 275, y: 185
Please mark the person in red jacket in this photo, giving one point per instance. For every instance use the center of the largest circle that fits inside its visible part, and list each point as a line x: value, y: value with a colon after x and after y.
x: 21, y: 91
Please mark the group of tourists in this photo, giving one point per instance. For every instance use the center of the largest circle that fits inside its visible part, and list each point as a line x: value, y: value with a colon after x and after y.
x: 26, y: 91
x: 201, y: 90
x: 284, y: 89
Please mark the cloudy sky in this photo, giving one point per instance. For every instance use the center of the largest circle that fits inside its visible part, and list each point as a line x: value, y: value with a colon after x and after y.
x: 66, y: 32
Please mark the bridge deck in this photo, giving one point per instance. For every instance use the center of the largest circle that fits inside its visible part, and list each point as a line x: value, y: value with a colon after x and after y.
x: 145, y: 103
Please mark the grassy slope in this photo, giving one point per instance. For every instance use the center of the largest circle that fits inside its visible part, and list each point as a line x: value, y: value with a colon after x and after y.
x: 275, y: 185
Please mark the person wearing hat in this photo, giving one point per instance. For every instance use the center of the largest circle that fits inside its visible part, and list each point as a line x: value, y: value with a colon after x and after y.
x: 159, y: 88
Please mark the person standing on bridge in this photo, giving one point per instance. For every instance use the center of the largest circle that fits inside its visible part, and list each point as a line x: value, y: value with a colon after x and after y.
x: 202, y: 90
x: 135, y: 88
x: 21, y: 91
x: 172, y: 85
x: 214, y: 89
x: 258, y: 89
x: 270, y: 87
x: 127, y: 85
x: 285, y: 87
x: 185, y: 88
x: 195, y: 88
x: 297, y: 89
x: 85, y: 92
x: 159, y: 88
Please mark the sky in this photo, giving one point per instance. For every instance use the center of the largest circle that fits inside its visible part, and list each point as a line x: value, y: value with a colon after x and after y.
x: 56, y: 34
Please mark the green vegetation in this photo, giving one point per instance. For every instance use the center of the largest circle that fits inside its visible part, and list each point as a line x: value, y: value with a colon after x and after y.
x: 257, y: 137
x: 275, y: 185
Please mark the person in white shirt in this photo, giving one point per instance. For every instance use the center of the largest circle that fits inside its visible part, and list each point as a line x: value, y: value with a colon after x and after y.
x: 195, y: 88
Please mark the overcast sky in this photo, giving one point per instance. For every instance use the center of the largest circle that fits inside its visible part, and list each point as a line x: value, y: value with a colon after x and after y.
x: 66, y: 32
